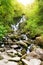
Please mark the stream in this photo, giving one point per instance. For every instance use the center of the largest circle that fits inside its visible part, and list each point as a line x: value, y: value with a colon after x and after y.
x: 18, y: 49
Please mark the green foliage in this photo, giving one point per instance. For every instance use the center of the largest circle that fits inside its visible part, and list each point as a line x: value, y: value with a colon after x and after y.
x: 35, y: 18
x: 9, y: 9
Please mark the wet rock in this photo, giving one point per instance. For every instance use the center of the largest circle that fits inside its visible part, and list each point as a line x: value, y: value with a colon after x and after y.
x: 32, y: 62
x: 2, y: 45
x: 31, y: 48
x: 24, y: 37
x: 21, y: 43
x: 15, y: 59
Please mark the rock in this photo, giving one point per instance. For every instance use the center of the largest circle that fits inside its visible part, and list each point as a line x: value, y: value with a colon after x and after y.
x: 12, y: 63
x: 35, y: 62
x: 2, y: 49
x: 24, y: 37
x: 32, y: 62
x: 9, y: 63
x: 21, y: 26
x: 19, y: 54
x: 9, y: 41
x: 14, y: 36
x: 27, y: 42
x: 42, y: 63
x: 14, y: 46
x: 1, y: 57
x: 14, y: 59
x: 31, y: 55
x: 31, y: 47
x: 21, y: 43
x: 39, y: 40
x: 24, y: 56
x: 11, y: 52
x: 2, y: 45
x: 5, y: 61
x: 25, y: 62
x: 20, y: 63
x: 37, y: 53
x: 23, y: 51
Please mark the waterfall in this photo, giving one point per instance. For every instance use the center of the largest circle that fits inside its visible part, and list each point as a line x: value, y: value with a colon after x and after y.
x: 15, y: 27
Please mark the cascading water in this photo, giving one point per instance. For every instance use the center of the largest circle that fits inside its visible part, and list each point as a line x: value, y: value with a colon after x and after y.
x: 15, y: 27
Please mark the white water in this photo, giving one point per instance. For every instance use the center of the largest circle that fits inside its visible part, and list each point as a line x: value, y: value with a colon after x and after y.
x: 15, y: 27
x: 24, y: 37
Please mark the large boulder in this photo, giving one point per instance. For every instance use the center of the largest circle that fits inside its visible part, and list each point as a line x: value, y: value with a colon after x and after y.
x: 37, y: 53
x: 39, y: 40
x: 31, y: 62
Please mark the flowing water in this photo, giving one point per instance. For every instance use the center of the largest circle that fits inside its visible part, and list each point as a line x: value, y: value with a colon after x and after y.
x: 15, y: 27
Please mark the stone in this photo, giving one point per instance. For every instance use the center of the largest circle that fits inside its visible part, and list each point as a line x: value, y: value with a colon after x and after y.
x: 19, y: 54
x: 8, y: 63
x: 1, y: 57
x: 32, y: 62
x: 42, y: 63
x: 9, y: 41
x: 39, y: 40
x: 20, y: 63
x: 21, y: 43
x: 14, y: 46
x: 37, y: 53
x: 12, y: 63
x: 14, y: 59
x: 12, y: 53
x: 24, y: 37
x: 14, y: 36
x: 23, y: 51
x: 2, y: 49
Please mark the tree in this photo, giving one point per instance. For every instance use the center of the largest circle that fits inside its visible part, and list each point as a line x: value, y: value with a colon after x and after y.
x: 34, y: 13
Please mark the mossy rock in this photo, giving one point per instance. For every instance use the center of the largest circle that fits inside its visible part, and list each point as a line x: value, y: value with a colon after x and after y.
x: 39, y: 40
x: 20, y: 63
x: 1, y: 57
x: 23, y: 51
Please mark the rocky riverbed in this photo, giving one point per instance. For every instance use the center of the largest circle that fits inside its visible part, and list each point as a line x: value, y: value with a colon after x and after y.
x: 18, y: 49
